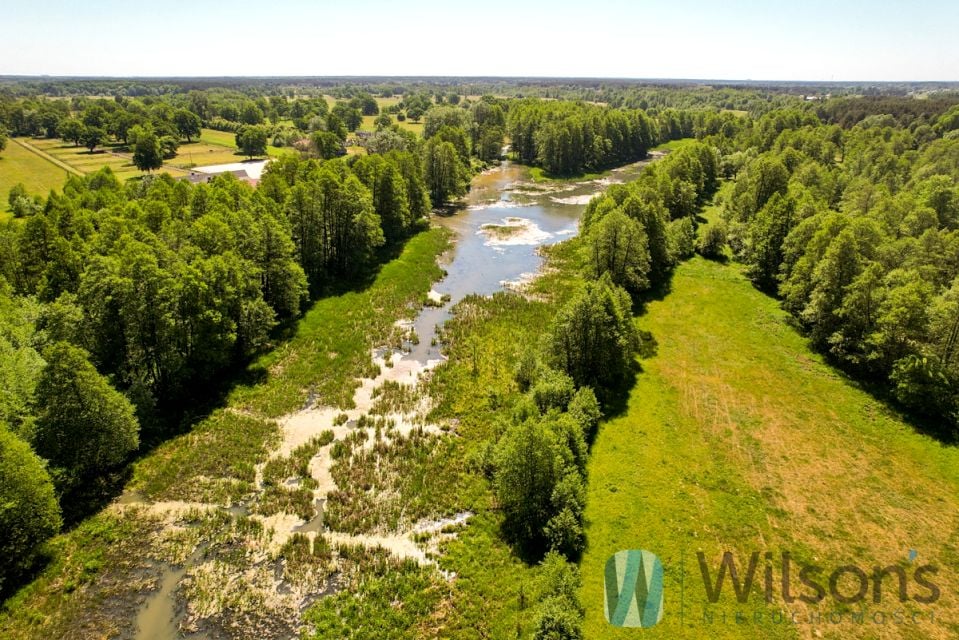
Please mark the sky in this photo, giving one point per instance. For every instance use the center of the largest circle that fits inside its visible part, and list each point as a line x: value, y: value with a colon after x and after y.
x: 699, y: 39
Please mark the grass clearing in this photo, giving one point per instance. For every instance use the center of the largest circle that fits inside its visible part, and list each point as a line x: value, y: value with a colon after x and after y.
x: 415, y: 127
x: 738, y: 437
x: 20, y: 165
x: 219, y: 138
x: 673, y: 145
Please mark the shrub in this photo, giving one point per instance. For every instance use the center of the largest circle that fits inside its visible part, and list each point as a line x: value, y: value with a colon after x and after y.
x: 553, y: 390
x: 713, y: 243
x: 29, y: 513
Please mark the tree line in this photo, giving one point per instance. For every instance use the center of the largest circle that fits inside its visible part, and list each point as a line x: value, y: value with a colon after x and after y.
x: 857, y: 231
x: 567, y: 138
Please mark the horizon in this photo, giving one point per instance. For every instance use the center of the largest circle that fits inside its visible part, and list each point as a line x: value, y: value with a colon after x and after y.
x: 413, y: 77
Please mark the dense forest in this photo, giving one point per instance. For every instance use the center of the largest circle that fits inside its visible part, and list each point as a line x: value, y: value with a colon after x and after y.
x: 121, y: 301
x: 856, y: 230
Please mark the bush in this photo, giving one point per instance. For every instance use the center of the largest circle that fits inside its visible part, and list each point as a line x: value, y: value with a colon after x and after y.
x: 924, y: 387
x: 556, y: 622
x: 584, y: 409
x: 558, y: 612
x: 564, y: 533
x: 713, y: 243
x: 553, y: 390
x: 526, y: 370
x: 29, y: 513
x: 681, y: 239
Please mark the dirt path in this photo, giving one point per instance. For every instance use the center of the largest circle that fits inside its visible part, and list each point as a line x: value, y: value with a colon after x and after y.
x: 46, y: 156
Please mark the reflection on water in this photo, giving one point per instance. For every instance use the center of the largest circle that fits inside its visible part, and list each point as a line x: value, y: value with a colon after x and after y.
x: 482, y: 260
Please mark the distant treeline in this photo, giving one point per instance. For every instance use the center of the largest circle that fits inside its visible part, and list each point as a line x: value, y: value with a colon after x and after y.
x: 908, y: 111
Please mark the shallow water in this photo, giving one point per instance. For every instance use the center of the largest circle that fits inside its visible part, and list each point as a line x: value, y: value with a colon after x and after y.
x: 482, y: 263
x: 159, y: 618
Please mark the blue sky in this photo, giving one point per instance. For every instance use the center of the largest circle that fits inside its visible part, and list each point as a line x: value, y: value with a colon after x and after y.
x: 732, y: 39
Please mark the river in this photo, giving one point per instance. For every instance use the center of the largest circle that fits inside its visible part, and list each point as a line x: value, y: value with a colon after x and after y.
x: 484, y: 261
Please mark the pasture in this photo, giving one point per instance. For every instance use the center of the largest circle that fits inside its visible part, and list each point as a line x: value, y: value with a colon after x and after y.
x: 20, y: 165
x: 737, y: 437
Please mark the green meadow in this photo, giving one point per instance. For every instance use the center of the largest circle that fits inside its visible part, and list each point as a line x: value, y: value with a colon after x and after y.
x: 737, y: 437
x: 20, y: 165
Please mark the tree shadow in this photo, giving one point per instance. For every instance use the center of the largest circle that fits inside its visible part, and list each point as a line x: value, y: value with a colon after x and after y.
x: 656, y: 293
x: 720, y: 259
x: 926, y: 424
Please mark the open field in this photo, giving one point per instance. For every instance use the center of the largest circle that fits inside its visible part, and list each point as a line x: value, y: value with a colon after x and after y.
x: 85, y: 162
x: 19, y: 164
x: 221, y: 138
x: 415, y: 127
x: 737, y: 437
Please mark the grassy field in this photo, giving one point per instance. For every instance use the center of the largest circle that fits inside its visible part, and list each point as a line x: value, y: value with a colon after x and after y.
x: 415, y: 127
x: 737, y: 437
x: 672, y: 145
x: 85, y: 162
x: 18, y: 164
x: 221, y: 138
x: 213, y: 147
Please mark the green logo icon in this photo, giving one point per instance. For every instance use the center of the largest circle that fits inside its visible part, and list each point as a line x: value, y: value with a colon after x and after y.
x: 634, y: 589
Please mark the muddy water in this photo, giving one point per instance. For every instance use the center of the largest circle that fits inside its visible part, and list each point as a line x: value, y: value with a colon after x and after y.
x: 484, y: 262
x: 159, y: 618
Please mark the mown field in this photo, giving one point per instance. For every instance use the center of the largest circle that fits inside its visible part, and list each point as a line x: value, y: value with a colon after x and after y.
x: 737, y: 437
x: 39, y: 171
x: 80, y: 158
x: 20, y: 165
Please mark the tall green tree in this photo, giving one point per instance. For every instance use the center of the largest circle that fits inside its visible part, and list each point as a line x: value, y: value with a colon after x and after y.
x: 618, y: 247
x: 528, y: 467
x: 93, y: 137
x: 71, y: 129
x: 84, y: 427
x: 187, y: 123
x: 29, y: 513
x: 593, y: 338
x: 767, y: 234
x: 147, y: 154
x: 445, y: 174
x: 251, y: 140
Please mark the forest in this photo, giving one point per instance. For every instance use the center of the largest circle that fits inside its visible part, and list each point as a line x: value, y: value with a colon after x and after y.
x: 130, y: 308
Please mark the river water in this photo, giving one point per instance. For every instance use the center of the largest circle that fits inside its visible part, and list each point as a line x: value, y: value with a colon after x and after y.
x: 525, y: 215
